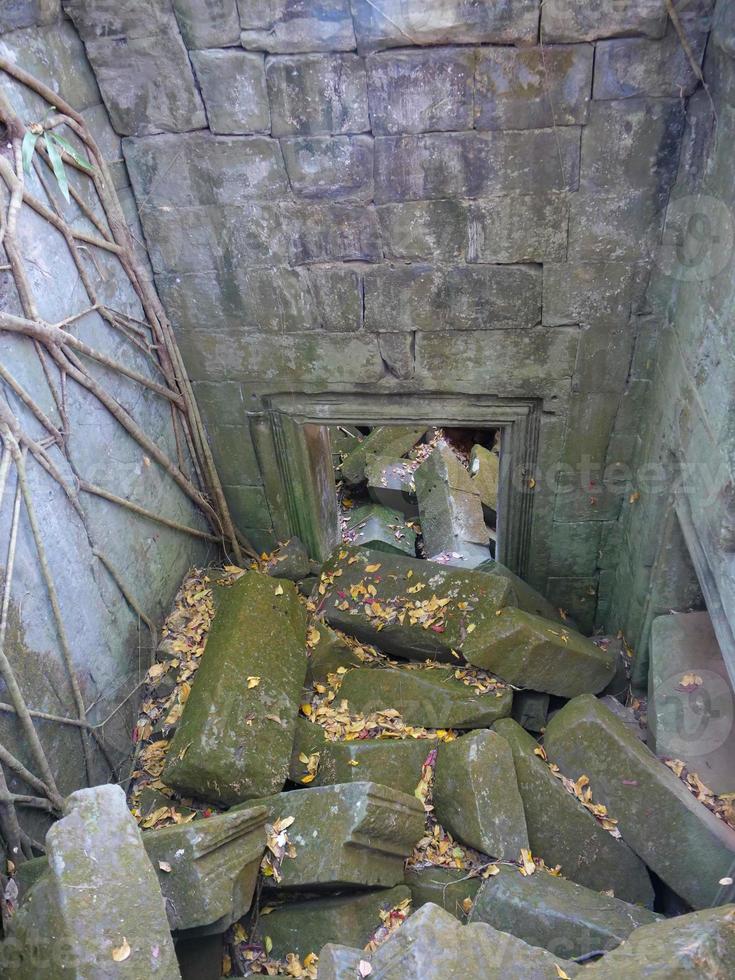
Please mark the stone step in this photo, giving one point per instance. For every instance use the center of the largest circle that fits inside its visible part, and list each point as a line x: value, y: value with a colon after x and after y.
x: 352, y: 834
x: 563, y: 832
x: 427, y: 697
x: 383, y: 440
x: 688, y: 847
x: 390, y: 483
x: 450, y: 889
x: 382, y: 529
x: 234, y: 740
x: 559, y: 915
x: 476, y: 796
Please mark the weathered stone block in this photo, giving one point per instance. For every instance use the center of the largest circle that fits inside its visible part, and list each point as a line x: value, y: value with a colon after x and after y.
x: 531, y: 88
x: 421, y: 297
x: 377, y: 527
x: 528, y: 651
x: 396, y: 763
x: 315, y: 94
x: 305, y: 927
x: 334, y: 233
x: 629, y: 67
x: 414, y: 91
x: 580, y: 292
x: 396, y: 23
x: 445, y: 887
x: 390, y: 481
x: 424, y: 230
x: 233, y: 88
x: 208, y: 23
x: 530, y: 710
x: 476, y: 796
x: 701, y: 944
x: 338, y: 962
x: 337, y: 293
x: 199, y: 168
x: 291, y: 561
x: 20, y: 13
x: 336, y: 168
x: 484, y: 593
x: 446, y: 165
x: 518, y: 228
x: 398, y: 352
x: 562, y: 831
x: 308, y: 740
x: 207, y: 869
x: 234, y: 739
x: 527, y: 598
x: 677, y: 837
x: 284, y: 26
x: 615, y: 226
x: 567, y: 20
x: 383, y: 440
x: 431, y: 698
x: 450, y: 506
x: 485, y: 477
x: 350, y: 834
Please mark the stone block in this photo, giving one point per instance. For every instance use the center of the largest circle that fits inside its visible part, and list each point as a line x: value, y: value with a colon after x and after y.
x: 286, y: 26
x: 690, y: 700
x: 309, y: 740
x: 353, y: 834
x: 447, y: 165
x: 445, y: 887
x: 207, y: 869
x: 327, y: 654
x: 462, y: 297
x: 17, y: 14
x: 395, y: 762
x: 390, y: 482
x: 95, y: 849
x: 677, y: 837
x: 415, y: 91
x: 200, y: 958
x: 98, y: 123
x: 563, y: 832
x: 615, y: 226
x: 631, y: 143
x: 430, y: 697
x: 199, y: 168
x: 450, y: 505
x: 305, y: 927
x: 234, y: 740
x: 334, y: 233
x: 232, y: 83
x: 383, y: 440
x: 424, y: 230
x: 530, y: 710
x: 633, y: 66
x: 574, y: 548
x: 526, y: 597
x: 337, y: 168
x: 532, y: 88
x: 576, y: 595
x: 337, y: 293
x: 398, y: 353
x: 555, y: 914
x: 519, y: 228
x: 315, y: 94
x: 208, y: 23
x: 485, y: 478
x: 396, y: 23
x: 581, y: 292
x: 528, y: 651
x: 338, y: 962
x: 700, y: 944
x: 291, y: 561
x: 414, y: 639
x: 249, y: 506
x: 381, y: 529
x: 476, y: 797
x: 567, y: 20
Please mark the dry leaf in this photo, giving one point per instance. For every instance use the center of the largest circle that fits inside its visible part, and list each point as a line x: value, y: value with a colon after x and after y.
x: 165, y: 866
x: 279, y: 589
x: 364, y: 968
x: 253, y: 681
x: 122, y: 952
x: 372, y: 568
x: 560, y: 973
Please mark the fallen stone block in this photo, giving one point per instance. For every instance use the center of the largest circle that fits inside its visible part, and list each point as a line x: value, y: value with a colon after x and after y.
x: 563, y: 832
x: 451, y: 890
x: 476, y: 797
x: 339, y: 962
x: 391, y: 762
x: 555, y: 914
x: 429, y: 697
x: 701, y: 944
x: 382, y: 529
x: 619, y: 686
x: 343, y: 439
x: 346, y: 835
x: 527, y: 598
x: 207, y: 869
x: 383, y: 440
x: 305, y: 927
x: 626, y: 714
x: 98, y: 912
x: 420, y: 609
x: 530, y: 710
x: 485, y: 475
x: 235, y: 735
x: 291, y: 561
x: 390, y: 483
x: 677, y: 836
x: 450, y: 507
x: 328, y: 654
x: 309, y: 741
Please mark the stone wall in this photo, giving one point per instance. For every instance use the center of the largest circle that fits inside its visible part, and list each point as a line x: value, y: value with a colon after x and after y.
x: 396, y: 196
x: 683, y: 383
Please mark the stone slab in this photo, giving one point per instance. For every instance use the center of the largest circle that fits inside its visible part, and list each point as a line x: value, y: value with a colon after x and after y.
x: 446, y: 887
x: 353, y: 834
x: 233, y: 741
x: 563, y: 832
x: 450, y: 503
x: 208, y: 23
x: 677, y: 837
x: 430, y: 698
x: 380, y: 529
x: 633, y: 66
x: 333, y: 232
x: 425, y: 230
x: 391, y: 762
x: 476, y: 796
x: 232, y: 83
x: 317, y: 94
x: 567, y: 20
x: 285, y: 26
x: 555, y: 914
x: 338, y: 168
x: 382, y: 440
x: 518, y: 228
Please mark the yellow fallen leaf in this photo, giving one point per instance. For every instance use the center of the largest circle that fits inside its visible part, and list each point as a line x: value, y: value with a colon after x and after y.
x: 122, y: 952
x: 253, y: 681
x: 353, y: 762
x: 306, y: 709
x: 165, y: 866
x: 467, y: 905
x: 471, y: 628
x: 372, y: 568
x: 560, y: 973
x: 309, y: 777
x: 279, y: 589
x: 268, y: 943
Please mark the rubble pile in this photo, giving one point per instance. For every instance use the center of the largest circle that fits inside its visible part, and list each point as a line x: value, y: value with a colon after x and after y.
x: 351, y: 784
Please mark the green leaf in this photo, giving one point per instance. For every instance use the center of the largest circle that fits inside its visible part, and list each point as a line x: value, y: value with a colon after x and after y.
x: 58, y: 168
x: 29, y: 145
x: 74, y: 154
